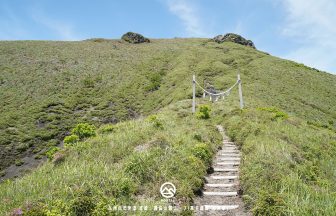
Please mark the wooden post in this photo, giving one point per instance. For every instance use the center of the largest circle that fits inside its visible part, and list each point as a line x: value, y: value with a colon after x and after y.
x: 194, y: 94
x: 240, y: 92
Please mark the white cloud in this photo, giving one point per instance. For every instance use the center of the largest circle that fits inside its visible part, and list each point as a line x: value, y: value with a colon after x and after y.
x: 188, y: 14
x: 312, y: 24
x: 63, y: 30
x: 14, y: 27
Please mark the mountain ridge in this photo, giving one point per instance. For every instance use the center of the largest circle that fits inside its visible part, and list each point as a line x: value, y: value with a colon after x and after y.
x: 49, y: 87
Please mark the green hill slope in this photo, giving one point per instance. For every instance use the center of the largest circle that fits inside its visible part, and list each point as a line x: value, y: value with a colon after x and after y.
x: 48, y: 87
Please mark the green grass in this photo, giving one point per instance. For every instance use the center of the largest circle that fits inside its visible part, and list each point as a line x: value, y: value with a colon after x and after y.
x: 48, y: 87
x: 288, y: 165
x: 287, y: 131
x: 122, y: 167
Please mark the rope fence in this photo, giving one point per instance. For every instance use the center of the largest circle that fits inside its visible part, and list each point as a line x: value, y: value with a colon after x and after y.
x: 217, y: 96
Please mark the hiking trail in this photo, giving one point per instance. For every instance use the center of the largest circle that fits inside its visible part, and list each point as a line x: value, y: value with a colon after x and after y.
x: 221, y: 193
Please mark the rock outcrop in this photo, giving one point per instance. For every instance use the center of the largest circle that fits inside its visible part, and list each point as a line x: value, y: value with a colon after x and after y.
x: 132, y: 37
x: 233, y: 38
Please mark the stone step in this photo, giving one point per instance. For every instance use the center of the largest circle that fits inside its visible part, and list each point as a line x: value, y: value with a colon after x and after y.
x: 219, y: 185
x: 218, y: 169
x: 225, y: 151
x: 229, y: 144
x: 229, y: 159
x: 223, y: 177
x: 231, y: 193
x: 229, y: 163
x: 220, y: 207
x: 230, y: 149
x: 230, y: 154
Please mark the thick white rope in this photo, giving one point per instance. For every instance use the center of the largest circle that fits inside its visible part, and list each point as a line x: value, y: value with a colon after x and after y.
x: 218, y: 94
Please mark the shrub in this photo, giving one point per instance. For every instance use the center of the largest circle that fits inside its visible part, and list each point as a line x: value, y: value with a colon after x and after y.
x: 88, y: 82
x: 19, y: 162
x: 123, y: 187
x: 22, y: 147
x: 107, y: 128
x: 154, y: 82
x: 2, y: 173
x: 101, y: 209
x: 36, y: 150
x: 204, y: 112
x: 137, y: 168
x: 51, y: 151
x: 38, y: 156
x: 83, y: 204
x: 71, y: 139
x: 198, y: 137
x: 84, y: 130
x: 35, y: 209
x: 277, y: 114
x: 152, y: 118
x: 269, y: 203
x: 156, y: 121
x: 202, y: 151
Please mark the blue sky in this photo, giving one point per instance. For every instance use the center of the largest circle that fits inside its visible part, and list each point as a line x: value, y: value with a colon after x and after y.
x: 300, y: 30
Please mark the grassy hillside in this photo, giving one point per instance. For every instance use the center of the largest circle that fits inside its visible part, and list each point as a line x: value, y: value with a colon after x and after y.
x: 287, y: 131
x: 125, y: 164
x: 288, y: 164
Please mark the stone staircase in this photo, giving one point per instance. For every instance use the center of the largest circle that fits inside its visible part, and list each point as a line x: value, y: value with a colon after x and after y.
x: 220, y: 195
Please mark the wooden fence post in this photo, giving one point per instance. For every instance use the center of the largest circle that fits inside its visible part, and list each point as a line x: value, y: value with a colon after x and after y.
x: 194, y: 94
x: 240, y: 92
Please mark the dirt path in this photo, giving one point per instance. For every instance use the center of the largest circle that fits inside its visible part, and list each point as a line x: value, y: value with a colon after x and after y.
x: 220, y: 195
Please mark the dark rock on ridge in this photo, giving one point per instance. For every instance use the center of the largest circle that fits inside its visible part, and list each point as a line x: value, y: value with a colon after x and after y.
x: 132, y: 37
x: 231, y: 37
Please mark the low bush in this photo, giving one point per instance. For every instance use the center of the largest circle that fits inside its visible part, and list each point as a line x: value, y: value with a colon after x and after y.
x: 204, y: 112
x: 71, y: 139
x: 277, y: 113
x: 107, y: 128
x: 123, y: 187
x: 83, y: 204
x: 51, y: 151
x: 2, y: 173
x: 269, y: 203
x: 154, y: 82
x: 19, y: 162
x: 84, y: 130
x: 35, y: 209
x: 203, y: 152
x: 22, y: 147
x: 198, y: 137
x: 156, y: 121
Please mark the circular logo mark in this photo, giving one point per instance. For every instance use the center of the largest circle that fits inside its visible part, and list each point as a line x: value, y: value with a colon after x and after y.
x: 167, y: 190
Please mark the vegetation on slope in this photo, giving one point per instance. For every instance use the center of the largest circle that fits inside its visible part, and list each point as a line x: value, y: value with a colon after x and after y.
x: 287, y: 131
x: 125, y: 164
x: 48, y: 87
x: 288, y: 164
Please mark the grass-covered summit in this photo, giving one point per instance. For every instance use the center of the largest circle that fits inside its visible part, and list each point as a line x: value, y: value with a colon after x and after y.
x: 287, y: 131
